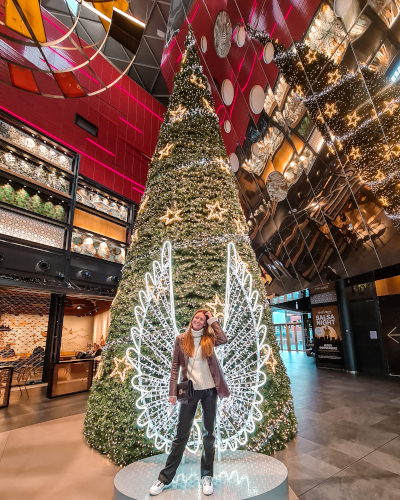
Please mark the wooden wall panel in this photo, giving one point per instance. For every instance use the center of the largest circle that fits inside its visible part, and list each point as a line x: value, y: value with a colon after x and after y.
x: 93, y: 223
x: 389, y: 286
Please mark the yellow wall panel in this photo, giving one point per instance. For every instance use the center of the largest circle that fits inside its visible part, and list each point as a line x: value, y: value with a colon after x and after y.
x: 389, y: 286
x: 106, y: 8
x: 31, y: 10
x: 100, y: 226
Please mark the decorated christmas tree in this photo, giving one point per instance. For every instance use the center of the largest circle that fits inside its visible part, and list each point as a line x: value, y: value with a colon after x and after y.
x: 190, y: 201
x: 356, y: 109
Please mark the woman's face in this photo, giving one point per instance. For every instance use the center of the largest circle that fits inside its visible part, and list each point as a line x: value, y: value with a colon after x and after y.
x: 199, y: 321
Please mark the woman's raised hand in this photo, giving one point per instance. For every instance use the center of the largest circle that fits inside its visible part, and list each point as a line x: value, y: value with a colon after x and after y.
x: 172, y: 400
x: 208, y: 315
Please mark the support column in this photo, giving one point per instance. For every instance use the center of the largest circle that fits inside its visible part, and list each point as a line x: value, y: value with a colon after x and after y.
x: 345, y: 323
x: 54, y: 333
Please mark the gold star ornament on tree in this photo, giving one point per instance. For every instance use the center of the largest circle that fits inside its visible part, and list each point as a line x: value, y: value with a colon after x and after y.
x: 165, y: 151
x: 390, y: 106
x: 330, y: 109
x: 216, y: 211
x: 178, y: 114
x: 216, y: 307
x: 197, y: 81
x: 207, y: 105
x: 311, y: 56
x: 355, y: 153
x: 121, y: 368
x: 171, y: 216
x: 334, y: 77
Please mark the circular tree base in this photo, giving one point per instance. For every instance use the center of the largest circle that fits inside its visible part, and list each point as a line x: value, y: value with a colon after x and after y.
x: 240, y: 475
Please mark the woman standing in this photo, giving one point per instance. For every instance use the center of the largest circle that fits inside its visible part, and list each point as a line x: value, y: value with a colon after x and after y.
x: 194, y: 354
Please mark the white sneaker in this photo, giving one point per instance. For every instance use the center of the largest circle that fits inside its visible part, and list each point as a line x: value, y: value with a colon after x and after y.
x: 157, y: 488
x: 208, y: 487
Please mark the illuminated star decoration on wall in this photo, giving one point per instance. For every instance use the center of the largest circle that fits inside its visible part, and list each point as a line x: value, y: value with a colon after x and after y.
x: 355, y: 153
x: 311, y: 56
x: 330, y: 109
x: 214, y: 305
x: 207, y: 105
x: 216, y: 211
x: 390, y: 106
x: 334, y: 77
x: 165, y: 151
x: 178, y: 114
x: 119, y: 371
x: 353, y: 119
x: 197, y: 81
x: 171, y: 216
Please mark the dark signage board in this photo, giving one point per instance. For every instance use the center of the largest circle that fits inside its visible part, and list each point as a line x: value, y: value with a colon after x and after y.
x: 327, y: 337
x: 389, y: 307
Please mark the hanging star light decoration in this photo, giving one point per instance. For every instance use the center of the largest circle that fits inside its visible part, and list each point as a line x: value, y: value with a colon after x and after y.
x: 118, y: 372
x: 214, y: 305
x: 334, y: 77
x: 299, y: 90
x: 380, y: 176
x: 355, y: 153
x: 384, y: 201
x: 311, y: 56
x: 216, y: 211
x: 390, y: 106
x: 353, y: 119
x: 339, y: 145
x: 197, y: 81
x: 207, y: 105
x: 178, y: 114
x: 330, y: 109
x: 165, y: 151
x: 171, y: 216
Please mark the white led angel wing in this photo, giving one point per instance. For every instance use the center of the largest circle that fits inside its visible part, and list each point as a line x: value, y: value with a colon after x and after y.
x: 151, y: 356
x: 242, y: 357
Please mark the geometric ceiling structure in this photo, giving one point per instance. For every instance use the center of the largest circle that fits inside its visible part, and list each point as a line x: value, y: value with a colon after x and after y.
x: 57, y: 48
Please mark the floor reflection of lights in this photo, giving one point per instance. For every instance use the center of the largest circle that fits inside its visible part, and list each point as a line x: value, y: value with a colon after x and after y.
x: 239, y: 475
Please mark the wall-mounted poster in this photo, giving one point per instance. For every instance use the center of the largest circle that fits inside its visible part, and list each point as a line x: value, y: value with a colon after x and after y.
x: 327, y: 337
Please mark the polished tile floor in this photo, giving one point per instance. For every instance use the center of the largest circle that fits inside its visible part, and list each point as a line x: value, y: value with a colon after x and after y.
x: 347, y: 447
x: 348, y: 444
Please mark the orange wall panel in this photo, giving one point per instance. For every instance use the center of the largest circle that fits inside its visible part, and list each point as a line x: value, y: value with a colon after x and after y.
x: 93, y: 223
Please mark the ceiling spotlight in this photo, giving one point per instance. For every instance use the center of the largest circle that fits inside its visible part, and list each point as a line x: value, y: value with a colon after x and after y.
x: 112, y: 280
x: 42, y: 265
x: 83, y: 274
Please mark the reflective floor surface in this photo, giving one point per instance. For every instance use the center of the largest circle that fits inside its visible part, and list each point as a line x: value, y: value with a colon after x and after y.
x: 240, y: 475
x: 347, y: 448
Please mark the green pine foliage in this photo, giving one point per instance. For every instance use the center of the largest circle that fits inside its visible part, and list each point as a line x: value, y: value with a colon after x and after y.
x: 191, y: 199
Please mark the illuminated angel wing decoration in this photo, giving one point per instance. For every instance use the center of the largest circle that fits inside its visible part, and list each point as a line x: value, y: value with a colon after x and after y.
x: 151, y: 355
x: 242, y: 357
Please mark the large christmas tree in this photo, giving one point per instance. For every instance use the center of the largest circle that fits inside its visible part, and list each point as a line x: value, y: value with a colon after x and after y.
x: 191, y: 200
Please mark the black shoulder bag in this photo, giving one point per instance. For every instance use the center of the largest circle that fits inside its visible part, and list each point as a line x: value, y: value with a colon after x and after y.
x: 185, y: 390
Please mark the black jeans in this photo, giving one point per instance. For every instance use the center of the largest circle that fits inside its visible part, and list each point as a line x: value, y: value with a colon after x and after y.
x: 208, y: 398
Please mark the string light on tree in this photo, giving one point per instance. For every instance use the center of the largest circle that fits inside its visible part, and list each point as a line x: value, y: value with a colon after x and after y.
x: 197, y: 81
x: 121, y: 368
x: 99, y: 371
x: 207, y: 105
x: 223, y: 165
x: 380, y: 176
x: 165, y: 151
x: 143, y: 204
x: 299, y: 90
x: 311, y: 56
x: 178, y: 114
x: 215, y: 305
x: 216, y: 211
x: 172, y: 216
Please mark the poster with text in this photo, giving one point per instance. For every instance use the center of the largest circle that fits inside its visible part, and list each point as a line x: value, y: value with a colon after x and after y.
x: 327, y: 337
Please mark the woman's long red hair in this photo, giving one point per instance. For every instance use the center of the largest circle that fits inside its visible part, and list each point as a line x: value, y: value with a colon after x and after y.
x: 207, y: 340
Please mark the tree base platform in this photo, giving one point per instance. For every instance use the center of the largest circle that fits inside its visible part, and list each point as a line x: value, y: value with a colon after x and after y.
x: 240, y: 475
